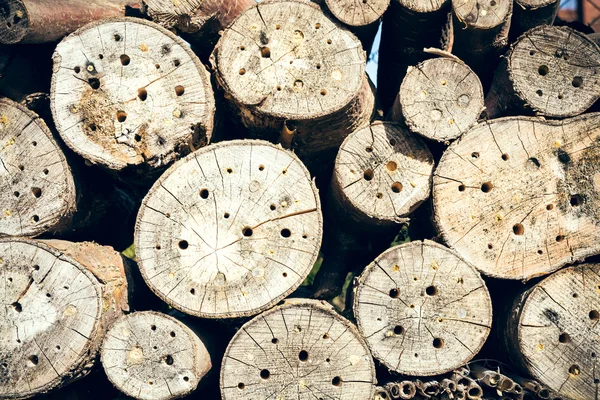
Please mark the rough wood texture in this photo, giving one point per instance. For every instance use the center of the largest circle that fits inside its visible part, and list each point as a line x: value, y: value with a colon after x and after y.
x: 528, y: 14
x: 439, y: 99
x: 422, y: 309
x: 230, y: 230
x: 382, y: 173
x: 49, y: 322
x: 37, y: 191
x: 301, y: 349
x: 552, y: 331
x: 518, y: 197
x: 551, y: 71
x: 152, y: 356
x: 285, y: 65
x: 41, y: 21
x: 127, y: 92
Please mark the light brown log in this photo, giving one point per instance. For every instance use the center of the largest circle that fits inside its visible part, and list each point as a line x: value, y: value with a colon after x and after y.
x: 128, y: 93
x: 300, y: 349
x: 528, y: 14
x: 50, y: 319
x: 152, y: 356
x: 230, y: 230
x: 422, y: 295
x: 551, y: 332
x: 42, y: 21
x: 439, y: 99
x: 37, y: 192
x: 285, y: 62
x: 518, y: 197
x: 550, y: 71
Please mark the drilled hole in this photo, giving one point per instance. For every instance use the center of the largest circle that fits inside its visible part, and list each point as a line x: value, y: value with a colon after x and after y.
x: 34, y: 143
x: 272, y: 207
x: 179, y: 90
x: 540, y: 252
x: 369, y: 149
x: 560, y: 238
x: 318, y: 66
x: 204, y: 193
x: 142, y: 94
x: 92, y: 127
x: 543, y: 70
x: 486, y: 187
x: 577, y: 81
x: 431, y: 290
x: 475, y: 155
x: 77, y: 70
x: 505, y: 157
x: 125, y: 60
x: 17, y: 306
x: 193, y: 291
x: 549, y: 207
x: 176, y: 62
x: 395, y: 293
x: 391, y: 166
x: 274, y: 340
x: 265, y: 52
x: 172, y: 334
x: 564, y: 338
x: 438, y: 343
x: 286, y: 233
x: 37, y: 192
x: 490, y: 246
x: 241, y: 386
x: 17, y: 194
x: 398, y: 330
x: 284, y: 274
x: 396, y: 187
x: 158, y: 247
x: 323, y: 92
x: 461, y: 188
x: 531, y: 52
x: 265, y: 374
x: 368, y: 174
x: 169, y: 359
x: 247, y: 231
x: 329, y: 41
x: 45, y: 171
x: 379, y: 195
x: 594, y: 315
x: 336, y: 381
x: 226, y: 215
x: 303, y: 355
x: 33, y: 359
x: 518, y: 229
x: 576, y: 200
x: 539, y: 93
x: 574, y: 369
x: 117, y: 37
x: 153, y: 327
x: 242, y: 71
x: 36, y: 218
x: 94, y: 83
x: 121, y: 116
x: 183, y: 244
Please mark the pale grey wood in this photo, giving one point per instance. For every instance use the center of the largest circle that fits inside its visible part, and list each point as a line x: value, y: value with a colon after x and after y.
x: 357, y: 13
x: 230, y: 230
x: 127, y: 92
x: 37, y: 191
x: 302, y: 349
x: 422, y: 309
x: 152, y: 356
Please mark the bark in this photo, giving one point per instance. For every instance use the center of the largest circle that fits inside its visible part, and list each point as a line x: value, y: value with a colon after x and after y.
x: 239, y: 228
x: 152, y: 356
x: 424, y: 293
x: 302, y: 346
x: 528, y: 14
x: 521, y: 188
x: 550, y: 71
x: 42, y: 21
x: 140, y: 100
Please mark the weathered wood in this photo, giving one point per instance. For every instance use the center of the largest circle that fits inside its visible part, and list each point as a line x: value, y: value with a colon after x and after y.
x: 300, y: 349
x: 439, y: 99
x: 551, y: 71
x: 37, y: 190
x: 381, y: 393
x: 518, y: 197
x: 152, y: 356
x: 409, y: 26
x: 128, y: 93
x: 422, y: 295
x: 230, y: 230
x: 50, y: 320
x: 285, y: 65
x: 42, y: 21
x: 551, y: 332
x: 382, y: 174
x: 528, y: 14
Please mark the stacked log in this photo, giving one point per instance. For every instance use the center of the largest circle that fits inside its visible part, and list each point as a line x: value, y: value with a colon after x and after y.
x: 528, y: 14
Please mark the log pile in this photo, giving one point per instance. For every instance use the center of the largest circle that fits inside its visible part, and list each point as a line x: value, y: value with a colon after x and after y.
x: 212, y: 199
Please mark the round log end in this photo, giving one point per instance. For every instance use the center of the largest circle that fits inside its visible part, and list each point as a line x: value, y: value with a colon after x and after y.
x: 357, y: 13
x: 51, y: 314
x: 554, y: 71
x: 230, y: 230
x: 382, y: 173
x: 440, y: 99
x: 424, y: 296
x: 482, y: 14
x: 14, y: 21
x: 37, y: 191
x: 127, y: 92
x: 302, y: 346
x: 421, y: 6
x: 152, y: 356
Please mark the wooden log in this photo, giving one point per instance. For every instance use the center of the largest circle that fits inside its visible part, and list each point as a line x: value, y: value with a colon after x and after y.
x: 50, y: 319
x: 37, y: 189
x: 518, y: 197
x: 127, y: 93
x: 424, y: 294
x: 527, y: 14
x: 299, y: 349
x: 294, y: 69
x: 42, y: 21
x: 381, y: 393
x: 549, y: 71
x: 152, y: 356
x: 439, y: 99
x: 230, y: 230
x: 551, y: 331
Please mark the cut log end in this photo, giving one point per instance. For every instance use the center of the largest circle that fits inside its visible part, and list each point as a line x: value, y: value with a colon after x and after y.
x: 51, y: 314
x: 521, y: 188
x: 37, y: 191
x: 439, y: 99
x: 382, y: 173
x: 553, y: 331
x: 300, y: 346
x: 422, y: 293
x: 152, y: 356
x: 482, y: 14
x: 128, y: 92
x: 230, y: 230
x: 14, y: 21
x: 422, y: 6
x: 357, y: 13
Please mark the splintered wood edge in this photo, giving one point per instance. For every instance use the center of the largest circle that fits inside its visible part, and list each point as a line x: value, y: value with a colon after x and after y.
x: 38, y: 222
x: 208, y: 149
x: 306, y: 304
x: 139, y: 353
x: 84, y: 357
x: 204, y: 125
x: 397, y: 292
x: 482, y: 14
x: 369, y: 10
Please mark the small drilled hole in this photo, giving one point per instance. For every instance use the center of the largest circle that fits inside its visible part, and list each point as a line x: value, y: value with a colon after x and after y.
x: 323, y: 92
x: 158, y: 247
x: 176, y: 62
x: 379, y: 195
x: 461, y: 188
x: 560, y: 96
x: 274, y: 340
x: 325, y: 336
x: 431, y: 290
x: 539, y: 93
x: 518, y: 229
x: 272, y: 207
x: 531, y: 52
x: 543, y: 70
x: 475, y: 155
x: 564, y: 338
x: 33, y: 359
x: 17, y: 306
x: 577, y: 81
x: 169, y: 359
x: 318, y: 66
x: 242, y: 48
x: 242, y: 71
x: 36, y: 218
x: 329, y: 41
x: 37, y: 192
x: 505, y: 157
x: 490, y: 246
x: 229, y: 170
x: 369, y: 149
x: 117, y: 37
x: 94, y: 83
x: 486, y: 187
x: 153, y: 327
x: 34, y: 143
x: 93, y: 127
x: 183, y: 244
x: 125, y: 60
x: 192, y: 291
x: 574, y: 369
x: 575, y: 295
x: 540, y: 252
x: 265, y: 374
x: 247, y: 231
x: 438, y: 343
x: 265, y: 52
x: 142, y: 94
x: 398, y: 330
x: 226, y: 215
x: 241, y: 386
x: 179, y: 90
x: 594, y: 315
x: 172, y: 334
x: 549, y: 207
x: 303, y: 355
x: 576, y: 200
x: 45, y: 171
x: 560, y: 238
x: 368, y: 174
x: 336, y: 381
x: 391, y: 166
x: 286, y: 233
x: 17, y: 194
x: 204, y: 193
x: 396, y: 187
x: 77, y: 70
x: 121, y: 116
x: 395, y: 293
x: 261, y: 167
